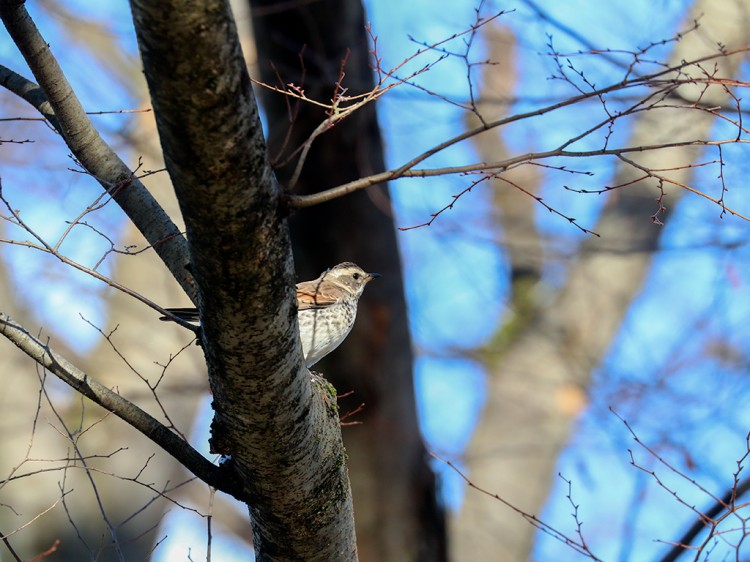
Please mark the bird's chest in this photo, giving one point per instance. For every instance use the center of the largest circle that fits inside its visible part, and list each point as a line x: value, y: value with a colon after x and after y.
x: 323, y: 329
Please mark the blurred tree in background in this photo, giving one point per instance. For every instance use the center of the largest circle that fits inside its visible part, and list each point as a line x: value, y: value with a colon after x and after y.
x: 542, y: 361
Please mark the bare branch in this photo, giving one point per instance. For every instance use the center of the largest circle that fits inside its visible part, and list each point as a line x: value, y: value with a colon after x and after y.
x: 302, y: 201
x: 578, y: 545
x: 720, y: 510
x: 37, y: 516
x: 79, y: 457
x: 720, y: 506
x: 663, y: 82
x: 61, y: 107
x: 15, y: 218
x: 113, y: 402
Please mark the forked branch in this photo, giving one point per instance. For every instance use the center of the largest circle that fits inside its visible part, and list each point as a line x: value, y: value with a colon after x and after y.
x: 45, y: 356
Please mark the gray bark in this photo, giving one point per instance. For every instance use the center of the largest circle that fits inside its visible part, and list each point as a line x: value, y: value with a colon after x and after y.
x: 287, y: 457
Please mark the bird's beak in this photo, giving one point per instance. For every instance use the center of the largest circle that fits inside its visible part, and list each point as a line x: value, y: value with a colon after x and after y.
x: 371, y: 276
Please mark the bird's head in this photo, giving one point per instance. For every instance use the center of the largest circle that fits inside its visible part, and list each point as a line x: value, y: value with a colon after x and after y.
x: 350, y: 276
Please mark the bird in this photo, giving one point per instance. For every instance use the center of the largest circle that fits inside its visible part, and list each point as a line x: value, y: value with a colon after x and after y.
x: 326, y: 309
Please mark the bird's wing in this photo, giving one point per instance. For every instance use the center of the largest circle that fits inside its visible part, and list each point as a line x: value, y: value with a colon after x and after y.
x: 311, y: 295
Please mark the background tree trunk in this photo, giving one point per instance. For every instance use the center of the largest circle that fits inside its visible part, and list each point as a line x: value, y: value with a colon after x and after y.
x: 396, y: 510
x: 538, y: 384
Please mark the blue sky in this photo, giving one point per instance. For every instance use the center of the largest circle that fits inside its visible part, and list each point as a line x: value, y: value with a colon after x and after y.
x: 659, y: 373
x: 694, y: 295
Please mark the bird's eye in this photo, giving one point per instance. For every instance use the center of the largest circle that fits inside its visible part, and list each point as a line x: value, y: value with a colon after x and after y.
x: 356, y: 276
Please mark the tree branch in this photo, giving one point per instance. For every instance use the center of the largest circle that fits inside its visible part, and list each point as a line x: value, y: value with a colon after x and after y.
x: 57, y: 101
x: 302, y: 201
x: 113, y: 402
x: 665, y: 81
x: 719, y: 506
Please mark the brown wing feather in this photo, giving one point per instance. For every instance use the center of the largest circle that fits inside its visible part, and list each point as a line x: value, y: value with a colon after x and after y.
x: 311, y: 294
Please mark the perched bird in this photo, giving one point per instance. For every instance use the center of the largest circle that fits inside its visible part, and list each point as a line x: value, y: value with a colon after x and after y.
x: 327, y: 307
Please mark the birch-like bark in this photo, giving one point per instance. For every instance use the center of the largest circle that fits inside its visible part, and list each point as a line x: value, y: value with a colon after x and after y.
x: 278, y: 429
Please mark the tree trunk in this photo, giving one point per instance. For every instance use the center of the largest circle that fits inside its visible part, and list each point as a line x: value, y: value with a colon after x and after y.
x: 272, y: 423
x: 396, y: 511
